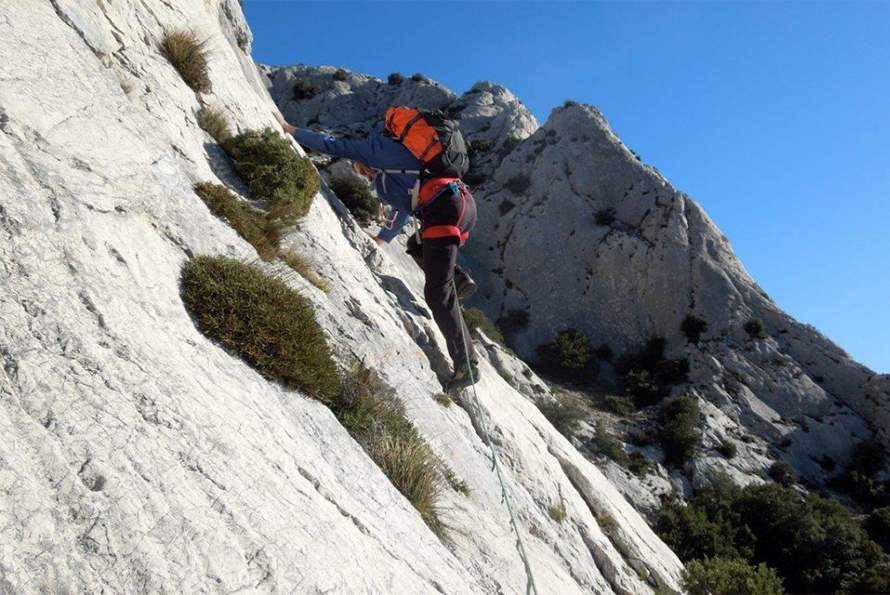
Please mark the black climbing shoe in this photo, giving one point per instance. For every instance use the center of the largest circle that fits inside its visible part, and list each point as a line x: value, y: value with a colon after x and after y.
x: 466, y: 287
x: 461, y: 378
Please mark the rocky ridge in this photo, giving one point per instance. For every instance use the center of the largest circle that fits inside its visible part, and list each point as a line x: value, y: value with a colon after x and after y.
x: 635, y: 257
x: 138, y: 456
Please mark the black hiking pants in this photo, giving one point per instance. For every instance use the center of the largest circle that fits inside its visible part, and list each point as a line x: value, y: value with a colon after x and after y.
x: 437, y: 256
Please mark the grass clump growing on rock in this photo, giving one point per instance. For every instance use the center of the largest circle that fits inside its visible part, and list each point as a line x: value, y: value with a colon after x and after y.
x: 557, y: 512
x: 569, y: 357
x: 565, y: 413
x: 274, y: 173
x: 476, y: 320
x: 214, y: 122
x: 251, y: 224
x: 727, y: 448
x: 301, y: 265
x: 188, y: 54
x: 262, y: 320
x: 693, y: 326
x: 355, y: 194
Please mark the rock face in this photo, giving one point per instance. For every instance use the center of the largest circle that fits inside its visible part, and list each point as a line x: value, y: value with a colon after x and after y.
x: 575, y: 231
x: 139, y: 457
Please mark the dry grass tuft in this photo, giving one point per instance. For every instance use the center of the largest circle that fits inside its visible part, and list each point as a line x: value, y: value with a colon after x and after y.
x: 214, y: 122
x: 188, y: 54
x: 251, y: 224
x: 301, y: 265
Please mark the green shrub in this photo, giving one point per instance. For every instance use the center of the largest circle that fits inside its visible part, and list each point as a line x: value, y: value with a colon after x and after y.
x: 188, y: 54
x: 605, y: 217
x: 301, y: 265
x: 867, y: 459
x: 569, y: 357
x: 756, y: 329
x: 513, y: 322
x: 782, y: 473
x: 730, y: 576
x: 693, y: 326
x: 617, y: 404
x: 274, y: 173
x: 357, y: 197
x: 646, y: 376
x: 859, y: 481
x: 476, y: 320
x: 519, y: 183
x: 638, y: 464
x: 878, y: 526
x: 604, y: 353
x: 395, y: 78
x: 262, y: 320
x: 728, y: 448
x: 418, y: 78
x: 369, y: 411
x: 340, y: 74
x: 678, y: 431
x: 570, y: 103
x: 214, y: 122
x: 477, y: 145
x: 606, y: 444
x: 251, y: 224
x: 565, y: 413
x: 305, y: 89
x: 638, y: 436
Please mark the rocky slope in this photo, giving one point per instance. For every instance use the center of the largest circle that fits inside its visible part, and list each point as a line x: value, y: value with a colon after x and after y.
x: 575, y: 231
x: 138, y: 456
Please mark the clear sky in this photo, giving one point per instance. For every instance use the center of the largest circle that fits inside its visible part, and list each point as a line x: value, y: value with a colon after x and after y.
x: 774, y: 116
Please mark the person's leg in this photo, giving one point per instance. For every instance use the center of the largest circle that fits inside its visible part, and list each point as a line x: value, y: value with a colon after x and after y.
x: 439, y: 258
x: 415, y: 250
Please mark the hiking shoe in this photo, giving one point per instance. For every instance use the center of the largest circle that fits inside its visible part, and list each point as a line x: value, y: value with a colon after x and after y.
x: 461, y: 378
x: 466, y: 287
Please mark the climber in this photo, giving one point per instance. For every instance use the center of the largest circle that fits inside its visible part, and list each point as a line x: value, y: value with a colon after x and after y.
x: 447, y: 213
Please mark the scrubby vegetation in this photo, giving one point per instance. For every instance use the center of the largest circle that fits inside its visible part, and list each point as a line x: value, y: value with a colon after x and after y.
x: 301, y: 265
x: 878, y: 526
x: 727, y: 448
x: 262, y: 320
x: 476, y: 320
x: 357, y: 197
x: 214, y: 122
x: 647, y: 376
x: 564, y: 412
x: 783, y: 474
x: 305, y: 89
x: 395, y: 78
x: 519, y: 183
x: 187, y: 52
x: 605, y: 216
x: 419, y: 78
x: 693, y: 326
x: 340, y: 74
x: 678, y: 433
x: 478, y: 145
x: 813, y: 543
x: 606, y: 444
x: 860, y: 479
x: 568, y: 357
x: 756, y: 329
x: 250, y: 223
x: 458, y: 485
x: 557, y: 512
x: 730, y: 576
x: 638, y: 464
x: 274, y: 173
x: 617, y: 404
x: 368, y: 409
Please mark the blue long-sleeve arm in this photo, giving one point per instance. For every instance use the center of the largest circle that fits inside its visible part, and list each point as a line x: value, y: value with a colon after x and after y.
x: 374, y: 150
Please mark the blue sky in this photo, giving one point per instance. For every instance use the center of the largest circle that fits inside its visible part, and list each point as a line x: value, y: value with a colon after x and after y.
x: 774, y: 116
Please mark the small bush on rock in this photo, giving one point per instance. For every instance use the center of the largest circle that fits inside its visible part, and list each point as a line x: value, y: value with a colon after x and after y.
x: 728, y: 448
x: 564, y: 413
x: 647, y: 376
x: 609, y: 446
x: 357, y: 197
x: 305, y: 89
x: 783, y: 474
x: 418, y: 78
x: 730, y: 576
x: 477, y: 145
x: 617, y: 404
x: 678, y: 433
x: 251, y: 224
x: 519, y: 183
x: 262, y: 320
x: 605, y: 217
x: 395, y: 78
x: 274, y: 173
x: 188, y: 54
x: 214, y: 122
x: 476, y: 320
x: 756, y: 329
x: 558, y: 511
x: 569, y: 357
x: 638, y: 464
x: 340, y: 74
x: 878, y: 526
x: 693, y: 326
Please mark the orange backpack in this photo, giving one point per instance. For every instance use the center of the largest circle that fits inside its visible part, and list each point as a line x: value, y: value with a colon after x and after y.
x: 433, y: 137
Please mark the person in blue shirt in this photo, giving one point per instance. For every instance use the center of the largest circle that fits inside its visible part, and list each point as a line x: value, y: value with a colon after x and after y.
x: 446, y: 217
